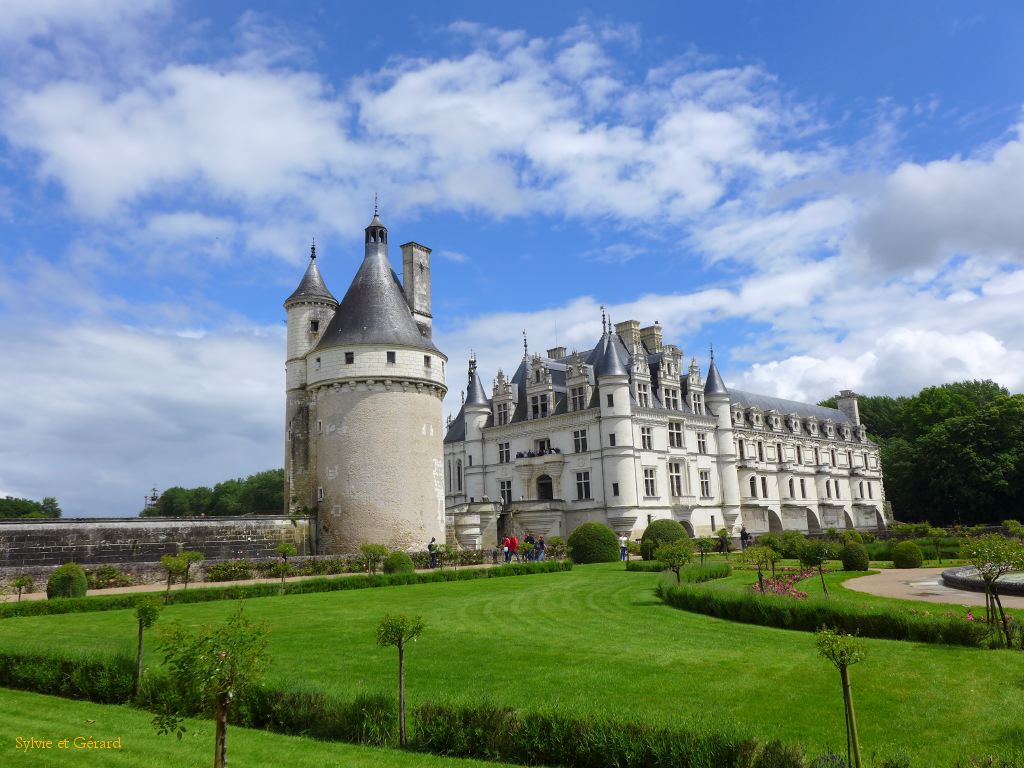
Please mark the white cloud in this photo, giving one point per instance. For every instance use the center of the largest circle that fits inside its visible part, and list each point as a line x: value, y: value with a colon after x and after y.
x: 456, y: 256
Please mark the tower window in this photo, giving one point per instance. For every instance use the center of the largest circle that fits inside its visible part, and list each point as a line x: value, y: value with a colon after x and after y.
x: 350, y: 357
x: 319, y: 427
x: 611, y: 439
x: 314, y: 326
x: 650, y: 482
x: 702, y: 442
x: 320, y: 493
x: 615, y: 489
x: 611, y: 400
x: 316, y: 364
x: 426, y: 361
x: 391, y: 358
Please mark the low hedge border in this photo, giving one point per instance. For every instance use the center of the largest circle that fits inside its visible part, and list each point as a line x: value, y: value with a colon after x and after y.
x: 691, y: 574
x: 306, y: 586
x: 811, y: 615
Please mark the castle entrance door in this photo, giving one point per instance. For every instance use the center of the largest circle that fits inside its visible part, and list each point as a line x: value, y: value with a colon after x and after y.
x: 545, y: 489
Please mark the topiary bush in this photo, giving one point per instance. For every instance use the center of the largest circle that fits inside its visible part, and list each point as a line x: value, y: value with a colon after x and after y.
x: 791, y: 542
x: 398, y: 562
x: 854, y: 556
x: 67, y: 581
x: 593, y: 543
x: 907, y: 554
x: 658, y: 533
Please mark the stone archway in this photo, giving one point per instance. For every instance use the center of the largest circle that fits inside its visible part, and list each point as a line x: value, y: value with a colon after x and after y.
x: 849, y: 520
x: 545, y: 488
x: 774, y: 522
x: 879, y: 521
x: 688, y: 528
x: 813, y: 525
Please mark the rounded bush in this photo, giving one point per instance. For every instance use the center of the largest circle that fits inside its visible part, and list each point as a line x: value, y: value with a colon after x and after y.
x: 854, y: 556
x: 398, y: 562
x: 907, y: 554
x: 593, y: 543
x: 658, y: 533
x: 68, y: 580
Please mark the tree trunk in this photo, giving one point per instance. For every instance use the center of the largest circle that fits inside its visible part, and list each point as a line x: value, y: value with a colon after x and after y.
x: 1002, y: 616
x: 821, y: 573
x: 760, y: 580
x: 220, y: 755
x: 187, y: 568
x: 401, y: 692
x: 848, y: 698
x: 19, y: 594
x: 138, y: 666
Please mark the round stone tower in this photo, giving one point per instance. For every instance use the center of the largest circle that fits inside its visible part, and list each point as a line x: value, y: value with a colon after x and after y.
x: 375, y: 382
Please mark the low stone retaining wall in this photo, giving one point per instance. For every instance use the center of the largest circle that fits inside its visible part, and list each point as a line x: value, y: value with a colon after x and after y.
x: 31, y: 544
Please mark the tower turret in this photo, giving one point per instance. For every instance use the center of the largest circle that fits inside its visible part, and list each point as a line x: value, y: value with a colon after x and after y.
x: 477, y: 410
x: 716, y: 398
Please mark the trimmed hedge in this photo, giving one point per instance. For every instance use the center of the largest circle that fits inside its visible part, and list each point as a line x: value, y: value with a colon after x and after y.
x: 854, y: 556
x: 68, y: 580
x: 657, y: 533
x: 692, y: 574
x: 398, y: 562
x: 907, y: 554
x: 244, y: 591
x: 811, y: 615
x: 593, y: 543
x: 103, y: 679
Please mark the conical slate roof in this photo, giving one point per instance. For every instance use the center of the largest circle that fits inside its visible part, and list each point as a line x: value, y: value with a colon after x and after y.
x: 714, y: 385
x: 475, y: 394
x: 311, y: 287
x: 374, y: 310
x: 608, y: 362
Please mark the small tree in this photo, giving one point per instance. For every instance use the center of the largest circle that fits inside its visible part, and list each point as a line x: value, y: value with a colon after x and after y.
x: 724, y: 541
x: 397, y: 631
x: 210, y: 668
x: 632, y: 548
x: 285, y: 549
x: 994, y: 556
x: 175, y: 567
x: 844, y: 651
x: 187, y: 559
x: 147, y: 611
x: 705, y: 544
x: 761, y: 558
x: 374, y: 555
x: 936, y: 535
x: 21, y: 583
x: 814, y: 554
x: 675, y: 555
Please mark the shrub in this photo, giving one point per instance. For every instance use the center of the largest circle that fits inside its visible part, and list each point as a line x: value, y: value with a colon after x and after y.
x: 593, y: 543
x: 107, y: 576
x: 907, y: 554
x: 791, y: 542
x: 556, y: 548
x: 104, y: 679
x: 230, y: 570
x: 398, y: 562
x: 67, y: 581
x: 772, y: 541
x: 658, y: 533
x: 851, y: 535
x: 854, y: 556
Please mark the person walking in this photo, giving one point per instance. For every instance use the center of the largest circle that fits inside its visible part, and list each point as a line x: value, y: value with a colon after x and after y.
x: 506, y: 546
x: 531, y: 552
x: 514, y: 544
x: 540, y: 549
x: 744, y: 537
x: 432, y: 549
x: 623, y: 547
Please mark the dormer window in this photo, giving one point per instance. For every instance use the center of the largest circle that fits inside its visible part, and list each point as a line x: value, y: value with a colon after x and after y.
x: 314, y: 326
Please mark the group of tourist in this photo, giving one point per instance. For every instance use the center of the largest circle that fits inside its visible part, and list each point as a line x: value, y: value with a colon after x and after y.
x: 533, y: 548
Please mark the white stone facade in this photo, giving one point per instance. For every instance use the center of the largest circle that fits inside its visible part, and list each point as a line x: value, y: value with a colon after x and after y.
x: 645, y: 441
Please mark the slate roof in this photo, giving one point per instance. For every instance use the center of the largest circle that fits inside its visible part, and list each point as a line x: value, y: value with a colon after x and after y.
x: 785, y: 407
x: 714, y: 385
x: 312, y: 286
x: 475, y: 394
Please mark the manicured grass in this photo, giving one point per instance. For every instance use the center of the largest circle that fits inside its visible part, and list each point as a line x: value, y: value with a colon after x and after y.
x: 598, y: 640
x: 31, y: 715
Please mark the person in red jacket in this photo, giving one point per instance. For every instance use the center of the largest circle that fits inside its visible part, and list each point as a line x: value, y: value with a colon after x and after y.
x: 506, y: 547
x: 514, y: 544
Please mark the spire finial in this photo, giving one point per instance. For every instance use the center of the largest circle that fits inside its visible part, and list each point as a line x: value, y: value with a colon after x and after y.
x: 375, y: 206
x: 711, y: 347
x: 604, y: 321
x: 312, y: 250
x: 472, y: 366
x: 526, y: 349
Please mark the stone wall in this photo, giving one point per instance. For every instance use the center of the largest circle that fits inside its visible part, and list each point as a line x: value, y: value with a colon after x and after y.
x: 95, y: 541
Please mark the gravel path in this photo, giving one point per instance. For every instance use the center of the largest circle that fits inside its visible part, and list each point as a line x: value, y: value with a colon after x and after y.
x: 922, y: 584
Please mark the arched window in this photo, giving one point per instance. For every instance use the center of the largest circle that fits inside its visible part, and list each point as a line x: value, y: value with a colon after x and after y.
x: 861, y: 488
x: 742, y: 454
x: 753, y: 486
x: 448, y: 476
x: 545, y: 488
x: 458, y: 473
x: 799, y: 455
x: 792, y: 490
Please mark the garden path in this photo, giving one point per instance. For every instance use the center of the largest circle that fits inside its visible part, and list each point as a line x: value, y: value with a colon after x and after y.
x: 922, y: 584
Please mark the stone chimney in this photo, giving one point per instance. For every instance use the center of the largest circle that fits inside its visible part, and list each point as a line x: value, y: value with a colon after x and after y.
x: 651, y: 337
x: 629, y: 332
x: 416, y: 283
x: 847, y: 403
x: 556, y: 353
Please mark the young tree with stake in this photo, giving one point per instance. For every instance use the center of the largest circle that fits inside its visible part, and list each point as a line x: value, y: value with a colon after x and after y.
x: 704, y: 544
x: 21, y: 583
x: 844, y: 651
x: 285, y: 549
x: 398, y: 631
x: 814, y: 554
x: 675, y: 556
x: 761, y: 558
x: 147, y: 611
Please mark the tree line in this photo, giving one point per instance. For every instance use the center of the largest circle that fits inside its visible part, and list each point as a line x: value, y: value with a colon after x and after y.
x: 12, y: 508
x: 259, y: 494
x: 951, y: 454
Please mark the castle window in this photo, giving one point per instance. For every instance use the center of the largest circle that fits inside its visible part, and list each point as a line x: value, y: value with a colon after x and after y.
x: 615, y: 489
x: 675, y: 434
x: 860, y: 488
x: 316, y: 364
x: 697, y: 403
x: 505, y: 490
x: 760, y: 451
x: 539, y: 406
x: 314, y: 326
x: 871, y: 494
x: 702, y: 442
x: 705, y: 485
x: 320, y: 493
x: 579, y: 440
x: 647, y: 438
x: 650, y: 482
x: 675, y: 479
x: 449, y: 477
x: 803, y: 489
x: 779, y: 454
x: 799, y: 455
x: 753, y: 487
x: 391, y: 358
x: 643, y: 395
x: 543, y: 445
x: 828, y: 489
x: 672, y: 398
x: 458, y: 474
x: 426, y: 361
x: 350, y: 357
x: 504, y: 453
x: 582, y: 485
x: 835, y: 462
x: 611, y: 439
x: 578, y: 395
x: 503, y: 410
x: 817, y: 456
x: 611, y: 400
x: 838, y: 495
x: 764, y: 487
x: 742, y: 450
x: 792, y: 495
x: 470, y: 460
x: 319, y: 427
x: 536, y: 376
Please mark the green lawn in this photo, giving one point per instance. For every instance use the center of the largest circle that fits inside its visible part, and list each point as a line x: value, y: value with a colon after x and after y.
x: 32, y: 716
x: 597, y: 640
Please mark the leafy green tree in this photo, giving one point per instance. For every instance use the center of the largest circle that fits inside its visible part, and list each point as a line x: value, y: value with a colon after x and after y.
x: 174, y: 502
x: 760, y: 557
x: 199, y: 500
x: 814, y: 554
x: 174, y: 566
x: 50, y: 507
x: 937, y: 535
x: 21, y: 583
x: 374, y: 555
x: 285, y: 549
x: 188, y: 559
x: 844, y: 651
x: 226, y: 500
x: 263, y: 493
x: 724, y: 541
x: 13, y: 508
x: 994, y: 556
x: 399, y: 631
x: 147, y: 611
x: 210, y: 668
x: 675, y: 555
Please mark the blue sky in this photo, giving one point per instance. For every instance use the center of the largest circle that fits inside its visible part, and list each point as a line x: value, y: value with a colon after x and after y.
x: 831, y: 194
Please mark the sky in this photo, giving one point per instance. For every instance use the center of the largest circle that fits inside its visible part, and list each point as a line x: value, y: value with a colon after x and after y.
x: 831, y: 194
